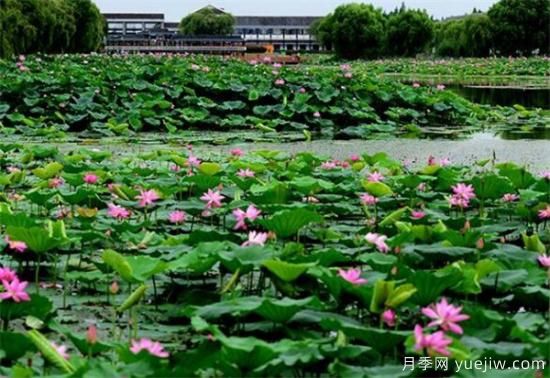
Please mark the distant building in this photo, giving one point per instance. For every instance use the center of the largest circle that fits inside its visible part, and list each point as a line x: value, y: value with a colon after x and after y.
x: 284, y: 33
x: 290, y: 34
x: 133, y: 23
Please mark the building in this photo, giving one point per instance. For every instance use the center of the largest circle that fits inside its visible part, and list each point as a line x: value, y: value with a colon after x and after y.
x: 133, y: 23
x: 291, y: 34
x: 284, y: 33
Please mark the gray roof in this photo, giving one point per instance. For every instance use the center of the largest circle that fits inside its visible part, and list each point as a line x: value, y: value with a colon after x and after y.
x: 274, y: 20
x: 132, y: 16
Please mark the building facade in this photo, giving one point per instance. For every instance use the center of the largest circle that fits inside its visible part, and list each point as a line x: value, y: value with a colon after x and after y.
x: 133, y: 23
x: 283, y: 33
x: 291, y: 34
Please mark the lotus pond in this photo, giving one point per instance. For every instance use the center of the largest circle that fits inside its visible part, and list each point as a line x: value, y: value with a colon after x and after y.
x: 120, y: 95
x: 170, y: 263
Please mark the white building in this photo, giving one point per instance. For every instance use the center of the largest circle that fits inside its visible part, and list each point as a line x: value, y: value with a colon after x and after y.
x: 283, y: 33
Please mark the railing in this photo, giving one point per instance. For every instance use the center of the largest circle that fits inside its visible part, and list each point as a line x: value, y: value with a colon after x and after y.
x: 278, y: 37
x: 226, y: 49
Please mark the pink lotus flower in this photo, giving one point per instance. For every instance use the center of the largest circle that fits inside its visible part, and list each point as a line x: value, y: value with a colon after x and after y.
x: 510, y: 197
x: 61, y: 350
x: 241, y: 216
x: 114, y: 288
x: 15, y: 290
x: 91, y: 334
x: 329, y: 165
x: 317, y: 115
x: 237, y: 152
x: 440, y: 87
x: 545, y: 213
x: 147, y: 197
x: 177, y: 217
x: 310, y: 199
x: 543, y: 260
x: 464, y: 191
x: 445, y: 316
x: 375, y: 177
x: 212, y: 199
x: 417, y: 214
x: 175, y: 168
x: 6, y: 274
x: 193, y: 161
x: 378, y: 240
x: 545, y: 175
x: 152, y: 347
x: 389, y: 317
x: 17, y: 246
x: 245, y: 173
x: 444, y: 162
x: 348, y: 75
x: 91, y: 178
x: 353, y: 276
x: 345, y: 67
x: 302, y: 90
x: 416, y: 85
x: 421, y: 187
x: 118, y: 212
x: 368, y: 200
x: 355, y: 158
x: 434, y: 343
x: 255, y: 238
x: 279, y: 82
x: 56, y: 182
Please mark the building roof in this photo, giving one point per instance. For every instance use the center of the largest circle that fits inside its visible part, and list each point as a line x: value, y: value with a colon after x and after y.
x: 275, y: 20
x: 133, y: 16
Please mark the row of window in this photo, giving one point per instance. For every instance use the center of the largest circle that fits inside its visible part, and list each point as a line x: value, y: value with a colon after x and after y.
x: 263, y: 31
x: 241, y: 31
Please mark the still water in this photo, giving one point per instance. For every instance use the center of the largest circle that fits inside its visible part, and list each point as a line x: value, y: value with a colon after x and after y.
x: 504, y: 96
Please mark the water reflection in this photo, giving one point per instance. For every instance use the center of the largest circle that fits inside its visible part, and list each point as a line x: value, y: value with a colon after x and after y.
x: 504, y: 96
x: 520, y: 134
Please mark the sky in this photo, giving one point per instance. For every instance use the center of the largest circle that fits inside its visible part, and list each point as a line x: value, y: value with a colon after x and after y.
x: 174, y: 10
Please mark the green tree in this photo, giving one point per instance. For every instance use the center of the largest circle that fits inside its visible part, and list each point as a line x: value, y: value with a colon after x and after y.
x: 469, y: 36
x: 207, y: 21
x: 477, y: 36
x: 50, y: 26
x: 354, y: 30
x: 409, y: 32
x: 520, y: 26
x: 17, y: 34
x: 90, y: 26
x: 322, y: 30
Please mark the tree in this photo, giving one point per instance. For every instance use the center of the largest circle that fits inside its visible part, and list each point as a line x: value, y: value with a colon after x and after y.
x: 469, y: 36
x: 520, y: 26
x: 49, y: 26
x: 207, y: 21
x: 354, y: 30
x: 477, y: 35
x: 17, y: 34
x: 322, y: 30
x: 408, y: 32
x: 90, y: 26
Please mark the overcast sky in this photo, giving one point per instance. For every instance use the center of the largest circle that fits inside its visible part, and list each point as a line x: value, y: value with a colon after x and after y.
x: 175, y: 9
